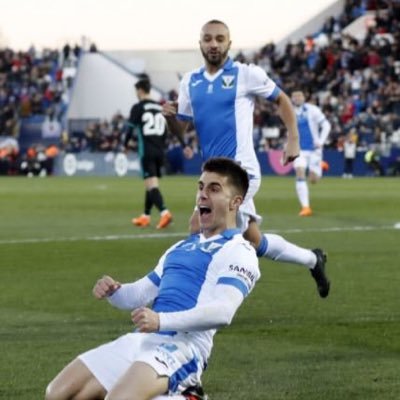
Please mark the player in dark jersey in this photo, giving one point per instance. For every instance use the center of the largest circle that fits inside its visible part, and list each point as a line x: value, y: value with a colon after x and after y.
x: 150, y: 127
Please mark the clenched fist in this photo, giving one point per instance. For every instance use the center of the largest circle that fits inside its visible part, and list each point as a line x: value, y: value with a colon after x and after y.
x: 146, y: 320
x: 105, y: 286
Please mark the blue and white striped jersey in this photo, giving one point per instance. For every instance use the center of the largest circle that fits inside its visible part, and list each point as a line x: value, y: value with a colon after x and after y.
x: 313, y: 126
x: 189, y: 273
x: 221, y: 107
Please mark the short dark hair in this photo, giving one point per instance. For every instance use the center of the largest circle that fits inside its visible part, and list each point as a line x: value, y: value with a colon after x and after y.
x: 296, y: 89
x: 143, y: 84
x: 218, y: 22
x: 237, y: 176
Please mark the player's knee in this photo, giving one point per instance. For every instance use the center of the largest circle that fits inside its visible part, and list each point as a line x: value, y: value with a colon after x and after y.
x: 54, y: 392
x: 115, y: 395
x: 300, y: 173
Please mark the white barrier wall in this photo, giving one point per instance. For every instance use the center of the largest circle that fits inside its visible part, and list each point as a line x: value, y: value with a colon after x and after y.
x: 102, y: 88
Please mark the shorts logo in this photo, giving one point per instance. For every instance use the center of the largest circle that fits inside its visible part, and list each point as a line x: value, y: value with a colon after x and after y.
x: 161, y: 362
x: 164, y: 355
x: 169, y: 347
x: 227, y: 81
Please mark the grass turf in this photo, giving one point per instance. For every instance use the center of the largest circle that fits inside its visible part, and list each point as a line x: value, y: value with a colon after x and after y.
x: 59, y: 235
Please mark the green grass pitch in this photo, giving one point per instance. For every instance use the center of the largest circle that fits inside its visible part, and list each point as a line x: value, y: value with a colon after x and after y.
x: 59, y: 235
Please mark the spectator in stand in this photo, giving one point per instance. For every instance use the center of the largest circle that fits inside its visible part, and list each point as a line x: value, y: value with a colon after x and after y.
x: 372, y: 158
x: 38, y: 160
x: 9, y: 151
x: 349, y: 151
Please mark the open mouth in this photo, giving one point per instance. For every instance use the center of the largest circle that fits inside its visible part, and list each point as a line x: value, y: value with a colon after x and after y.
x: 204, y: 210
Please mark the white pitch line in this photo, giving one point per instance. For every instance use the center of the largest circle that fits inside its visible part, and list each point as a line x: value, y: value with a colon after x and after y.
x: 94, y: 238
x: 167, y: 235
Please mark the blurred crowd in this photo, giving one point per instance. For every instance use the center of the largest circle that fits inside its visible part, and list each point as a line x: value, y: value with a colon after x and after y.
x: 355, y: 80
x: 33, y: 83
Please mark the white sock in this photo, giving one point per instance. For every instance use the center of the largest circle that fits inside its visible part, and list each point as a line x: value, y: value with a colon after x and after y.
x: 279, y: 249
x: 302, y: 192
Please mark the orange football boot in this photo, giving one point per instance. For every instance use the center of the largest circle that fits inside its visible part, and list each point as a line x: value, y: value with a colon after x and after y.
x: 305, y: 212
x: 325, y: 165
x: 142, y: 221
x: 165, y: 220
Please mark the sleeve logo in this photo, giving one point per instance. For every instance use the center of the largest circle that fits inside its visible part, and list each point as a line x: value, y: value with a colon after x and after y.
x: 243, y: 272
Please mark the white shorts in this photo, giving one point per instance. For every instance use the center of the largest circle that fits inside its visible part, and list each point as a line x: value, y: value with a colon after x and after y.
x: 310, y: 160
x: 247, y: 210
x: 171, y: 356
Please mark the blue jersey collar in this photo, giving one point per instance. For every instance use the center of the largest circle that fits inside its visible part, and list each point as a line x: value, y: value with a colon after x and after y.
x: 227, y: 234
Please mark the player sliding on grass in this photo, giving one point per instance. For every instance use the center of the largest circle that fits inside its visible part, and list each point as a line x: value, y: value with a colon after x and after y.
x: 219, y: 99
x: 196, y: 288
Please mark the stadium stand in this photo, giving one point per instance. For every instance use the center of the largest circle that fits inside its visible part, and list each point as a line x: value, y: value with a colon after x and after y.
x: 33, y: 99
x: 350, y: 68
x: 355, y: 81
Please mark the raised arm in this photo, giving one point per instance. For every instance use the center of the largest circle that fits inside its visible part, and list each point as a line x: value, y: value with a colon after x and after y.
x: 176, y: 127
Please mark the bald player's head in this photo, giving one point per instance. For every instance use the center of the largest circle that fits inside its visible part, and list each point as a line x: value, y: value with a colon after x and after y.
x: 215, y: 43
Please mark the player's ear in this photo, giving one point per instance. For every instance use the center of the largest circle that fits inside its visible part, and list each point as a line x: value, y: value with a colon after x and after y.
x: 236, y: 201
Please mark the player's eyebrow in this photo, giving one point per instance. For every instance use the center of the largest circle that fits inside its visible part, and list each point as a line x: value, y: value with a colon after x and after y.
x: 214, y: 183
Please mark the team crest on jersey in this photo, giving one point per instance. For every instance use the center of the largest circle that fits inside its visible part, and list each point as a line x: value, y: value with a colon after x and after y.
x: 210, y: 247
x: 204, y: 247
x: 227, y: 81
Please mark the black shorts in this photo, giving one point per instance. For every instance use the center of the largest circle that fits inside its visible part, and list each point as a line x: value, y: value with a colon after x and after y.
x: 152, y: 165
